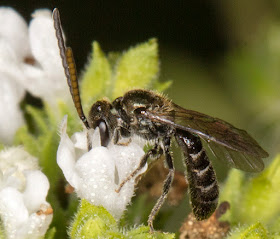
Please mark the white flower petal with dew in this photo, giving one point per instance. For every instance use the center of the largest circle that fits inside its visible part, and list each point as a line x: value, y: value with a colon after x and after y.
x: 36, y: 190
x: 45, y: 78
x: 96, y: 174
x: 12, y: 210
x: 23, y: 191
x: 29, y: 61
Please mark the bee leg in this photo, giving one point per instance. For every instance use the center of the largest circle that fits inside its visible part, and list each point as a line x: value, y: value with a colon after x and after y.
x: 89, y: 141
x: 166, y: 185
x: 121, y: 133
x: 151, y: 152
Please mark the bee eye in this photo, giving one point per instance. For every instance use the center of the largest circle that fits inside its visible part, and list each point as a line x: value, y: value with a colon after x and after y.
x: 99, y: 109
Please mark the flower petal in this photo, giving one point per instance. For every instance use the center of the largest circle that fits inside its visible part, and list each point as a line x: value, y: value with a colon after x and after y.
x: 10, y: 62
x: 36, y: 226
x: 17, y: 157
x: 14, y: 30
x: 102, y: 169
x: 66, y: 155
x: 13, y: 210
x: 36, y: 190
x: 96, y: 170
x: 11, y: 117
x: 44, y: 48
x: 132, y: 155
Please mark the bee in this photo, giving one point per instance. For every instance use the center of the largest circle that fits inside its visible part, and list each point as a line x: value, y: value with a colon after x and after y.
x: 157, y: 119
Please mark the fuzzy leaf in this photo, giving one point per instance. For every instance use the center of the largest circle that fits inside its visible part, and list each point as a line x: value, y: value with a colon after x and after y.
x: 255, y: 231
x: 143, y: 232
x: 261, y: 199
x: 137, y: 68
x: 95, y: 222
x: 96, y: 80
x: 74, y: 124
x: 231, y: 192
x: 253, y: 198
x: 91, y: 221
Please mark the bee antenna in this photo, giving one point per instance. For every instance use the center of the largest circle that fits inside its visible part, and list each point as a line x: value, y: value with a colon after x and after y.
x: 69, y: 66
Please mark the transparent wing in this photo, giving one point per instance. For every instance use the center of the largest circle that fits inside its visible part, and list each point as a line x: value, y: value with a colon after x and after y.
x: 235, y: 159
x: 234, y: 146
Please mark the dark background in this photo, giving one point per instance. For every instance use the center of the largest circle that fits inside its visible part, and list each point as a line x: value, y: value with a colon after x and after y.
x: 200, y: 29
x: 193, y: 27
x: 194, y: 39
x: 191, y: 34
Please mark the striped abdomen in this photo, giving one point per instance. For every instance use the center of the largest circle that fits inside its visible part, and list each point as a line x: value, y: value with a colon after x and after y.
x: 203, y: 187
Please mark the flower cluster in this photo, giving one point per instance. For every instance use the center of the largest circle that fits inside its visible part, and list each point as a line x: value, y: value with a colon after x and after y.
x: 23, y: 190
x: 29, y: 61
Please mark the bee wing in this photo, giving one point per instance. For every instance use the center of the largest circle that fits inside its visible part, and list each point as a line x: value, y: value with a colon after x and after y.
x: 235, y: 159
x: 234, y: 146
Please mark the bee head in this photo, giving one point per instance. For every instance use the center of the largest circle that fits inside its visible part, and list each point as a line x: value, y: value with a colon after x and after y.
x: 99, y: 112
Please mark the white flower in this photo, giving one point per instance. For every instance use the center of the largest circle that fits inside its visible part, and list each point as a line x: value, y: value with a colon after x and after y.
x: 24, y: 211
x: 11, y: 117
x: 29, y: 61
x: 96, y: 174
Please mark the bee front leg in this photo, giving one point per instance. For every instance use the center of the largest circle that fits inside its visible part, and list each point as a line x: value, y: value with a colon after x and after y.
x: 152, y: 152
x: 122, y: 133
x: 89, y: 139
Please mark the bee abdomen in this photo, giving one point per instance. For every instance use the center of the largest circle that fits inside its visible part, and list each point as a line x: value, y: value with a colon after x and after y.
x: 203, y: 187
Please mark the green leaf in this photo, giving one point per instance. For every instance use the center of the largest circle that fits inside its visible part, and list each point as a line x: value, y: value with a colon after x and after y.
x: 161, y: 86
x: 91, y: 221
x: 95, y: 222
x: 113, y: 235
x: 143, y: 232
x: 255, y: 231
x: 49, y: 144
x: 261, y: 199
x: 31, y: 144
x: 232, y: 192
x: 38, y: 116
x: 96, y: 80
x: 137, y: 68
x: 74, y: 124
x: 254, y: 201
x: 50, y: 233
